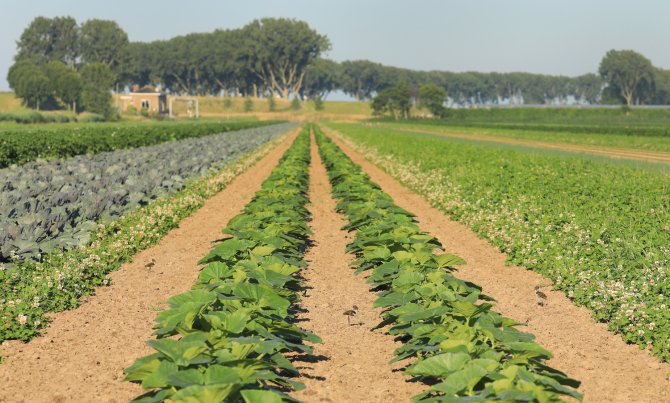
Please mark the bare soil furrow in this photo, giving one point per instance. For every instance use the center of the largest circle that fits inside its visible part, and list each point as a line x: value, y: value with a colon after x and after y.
x: 352, y: 363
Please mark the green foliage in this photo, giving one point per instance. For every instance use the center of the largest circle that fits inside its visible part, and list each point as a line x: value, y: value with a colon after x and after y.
x: 248, y: 104
x: 52, y: 83
x: 282, y: 49
x: 97, y: 80
x: 272, y: 104
x: 460, y: 345
x: 629, y: 75
x: 433, y: 98
x: 624, y: 121
x: 395, y: 101
x: 234, y: 327
x: 597, y: 228
x: 227, y: 103
x: 34, y: 117
x: 50, y: 39
x: 102, y: 41
x: 24, y: 145
x: 322, y: 76
x: 32, y: 289
x: 30, y: 83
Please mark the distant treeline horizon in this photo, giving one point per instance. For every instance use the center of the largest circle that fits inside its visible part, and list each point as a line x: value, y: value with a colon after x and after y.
x: 285, y: 58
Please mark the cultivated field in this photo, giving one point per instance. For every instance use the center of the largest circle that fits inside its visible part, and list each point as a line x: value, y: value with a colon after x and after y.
x: 441, y: 267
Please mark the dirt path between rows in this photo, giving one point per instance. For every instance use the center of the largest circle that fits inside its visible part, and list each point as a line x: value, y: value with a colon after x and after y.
x: 352, y: 363
x: 610, y: 369
x: 617, y: 153
x: 81, y: 356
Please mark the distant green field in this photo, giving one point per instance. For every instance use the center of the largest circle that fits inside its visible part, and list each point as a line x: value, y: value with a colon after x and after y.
x: 639, y: 142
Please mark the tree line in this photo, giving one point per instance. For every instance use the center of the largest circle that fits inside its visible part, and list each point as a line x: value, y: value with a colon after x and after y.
x: 63, y: 64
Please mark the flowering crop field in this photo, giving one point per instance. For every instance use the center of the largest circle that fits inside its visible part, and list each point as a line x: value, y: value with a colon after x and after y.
x: 599, y: 229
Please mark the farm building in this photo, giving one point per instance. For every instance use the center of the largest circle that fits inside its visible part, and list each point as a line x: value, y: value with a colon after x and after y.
x: 155, y: 102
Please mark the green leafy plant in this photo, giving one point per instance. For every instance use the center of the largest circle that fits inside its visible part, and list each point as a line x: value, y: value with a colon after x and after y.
x: 234, y: 327
x: 460, y: 345
x: 29, y: 290
x: 27, y: 144
x: 597, y: 227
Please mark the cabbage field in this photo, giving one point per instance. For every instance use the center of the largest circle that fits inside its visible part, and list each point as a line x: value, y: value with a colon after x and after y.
x: 55, y: 205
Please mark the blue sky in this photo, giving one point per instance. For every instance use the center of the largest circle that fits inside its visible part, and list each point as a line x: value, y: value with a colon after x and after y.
x: 566, y: 37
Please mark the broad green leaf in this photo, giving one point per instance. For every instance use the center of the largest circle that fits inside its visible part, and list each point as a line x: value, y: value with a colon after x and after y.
x: 440, y: 365
x: 203, y: 394
x: 261, y: 396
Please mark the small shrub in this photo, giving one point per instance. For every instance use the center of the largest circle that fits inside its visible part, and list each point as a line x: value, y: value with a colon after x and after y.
x: 227, y: 103
x: 272, y: 104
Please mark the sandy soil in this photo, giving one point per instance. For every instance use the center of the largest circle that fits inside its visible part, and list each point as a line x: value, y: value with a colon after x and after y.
x: 617, y: 153
x: 352, y: 363
x: 81, y: 356
x: 610, y: 370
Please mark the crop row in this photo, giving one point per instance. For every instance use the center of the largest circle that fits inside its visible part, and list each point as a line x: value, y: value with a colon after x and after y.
x: 38, y: 142
x: 53, y: 205
x: 599, y: 229
x: 459, y: 344
x: 30, y: 289
x: 236, y: 323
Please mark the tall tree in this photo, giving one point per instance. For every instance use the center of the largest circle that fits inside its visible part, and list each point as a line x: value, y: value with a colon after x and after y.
x: 321, y: 77
x: 433, y: 98
x: 47, y: 39
x: 97, y: 81
x: 278, y: 51
x: 29, y: 83
x: 627, y: 73
x: 362, y: 78
x: 395, y: 101
x: 102, y: 41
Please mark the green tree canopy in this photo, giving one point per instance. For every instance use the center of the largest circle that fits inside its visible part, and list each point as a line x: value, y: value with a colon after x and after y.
x: 396, y: 101
x: 102, y: 41
x: 97, y: 81
x: 322, y: 76
x: 433, y: 98
x: 47, y: 39
x: 628, y: 74
x: 278, y: 51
